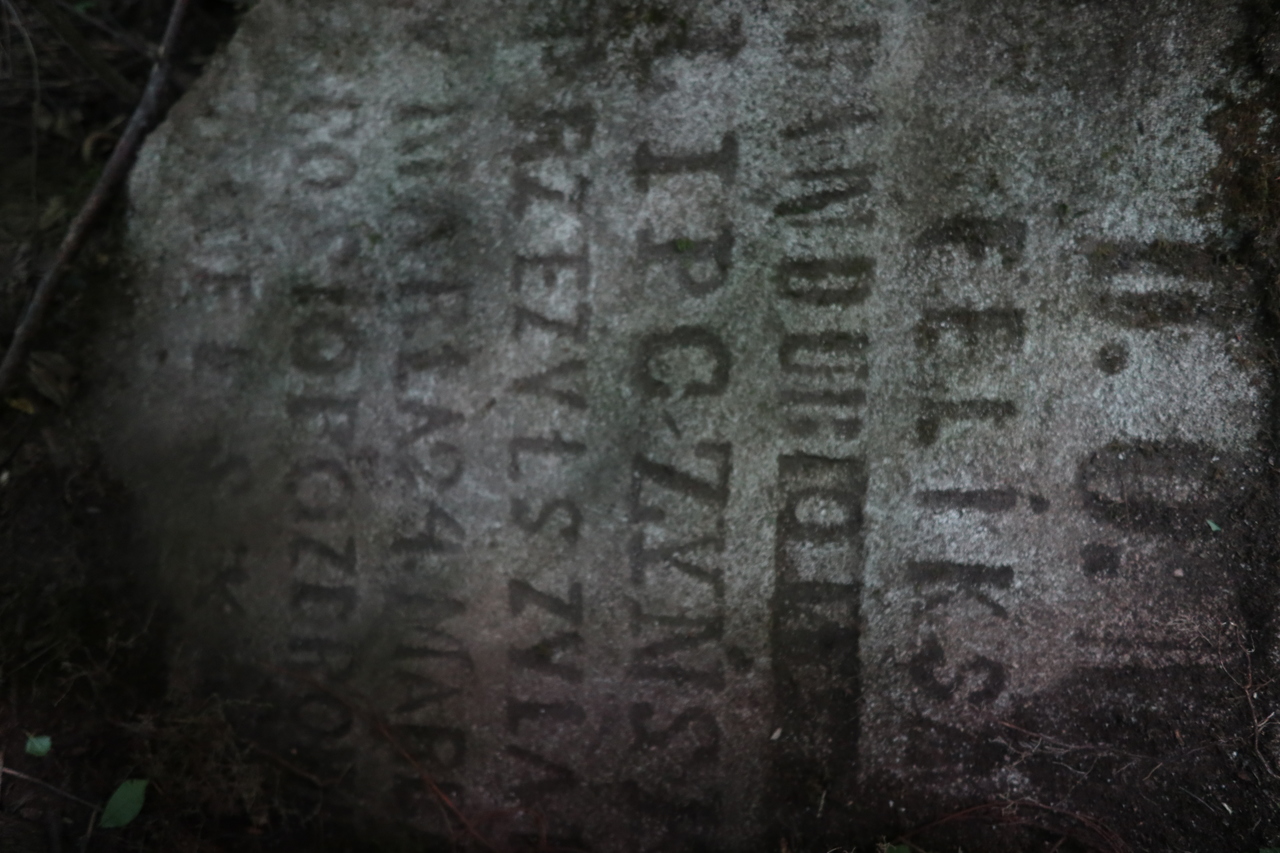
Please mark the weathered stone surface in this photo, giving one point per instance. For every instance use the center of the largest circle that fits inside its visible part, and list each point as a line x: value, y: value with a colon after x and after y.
x: 689, y: 422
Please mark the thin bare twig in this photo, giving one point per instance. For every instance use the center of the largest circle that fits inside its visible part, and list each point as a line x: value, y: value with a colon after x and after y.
x: 442, y: 799
x: 1249, y: 687
x: 111, y: 78
x: 117, y: 167
x: 88, y: 831
x: 1211, y: 809
x: 1094, y: 831
x: 430, y: 784
x: 296, y: 770
x: 8, y: 771
x: 114, y: 31
x: 1062, y: 747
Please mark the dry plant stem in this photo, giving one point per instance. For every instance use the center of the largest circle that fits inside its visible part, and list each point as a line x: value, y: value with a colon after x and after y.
x: 81, y: 48
x: 1249, y: 687
x: 1006, y: 812
x: 431, y: 785
x: 115, y: 170
x: 145, y: 48
x: 443, y: 799
x: 5, y: 771
x: 296, y: 770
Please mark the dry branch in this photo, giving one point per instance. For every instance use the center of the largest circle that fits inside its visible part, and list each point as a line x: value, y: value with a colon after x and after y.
x: 114, y: 172
x: 7, y: 771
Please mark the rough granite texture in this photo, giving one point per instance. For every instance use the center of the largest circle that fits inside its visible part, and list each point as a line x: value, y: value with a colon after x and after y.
x: 677, y: 420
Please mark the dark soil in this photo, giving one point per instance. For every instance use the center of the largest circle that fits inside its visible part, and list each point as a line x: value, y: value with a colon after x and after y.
x: 83, y: 643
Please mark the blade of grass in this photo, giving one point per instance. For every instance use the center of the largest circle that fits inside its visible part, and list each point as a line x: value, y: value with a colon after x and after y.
x: 115, y: 170
x: 111, y: 78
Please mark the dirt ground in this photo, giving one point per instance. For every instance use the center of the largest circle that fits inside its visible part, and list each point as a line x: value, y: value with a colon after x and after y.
x: 83, y: 644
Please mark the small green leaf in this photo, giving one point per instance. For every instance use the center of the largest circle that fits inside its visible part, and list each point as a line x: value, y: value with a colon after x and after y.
x: 39, y: 745
x: 124, y: 804
x: 684, y: 244
x: 1215, y: 528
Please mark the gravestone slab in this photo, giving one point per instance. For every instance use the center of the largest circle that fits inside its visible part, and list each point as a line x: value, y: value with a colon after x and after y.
x: 684, y: 423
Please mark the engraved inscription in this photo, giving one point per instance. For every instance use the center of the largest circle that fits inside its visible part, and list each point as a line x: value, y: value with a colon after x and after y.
x: 687, y: 427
